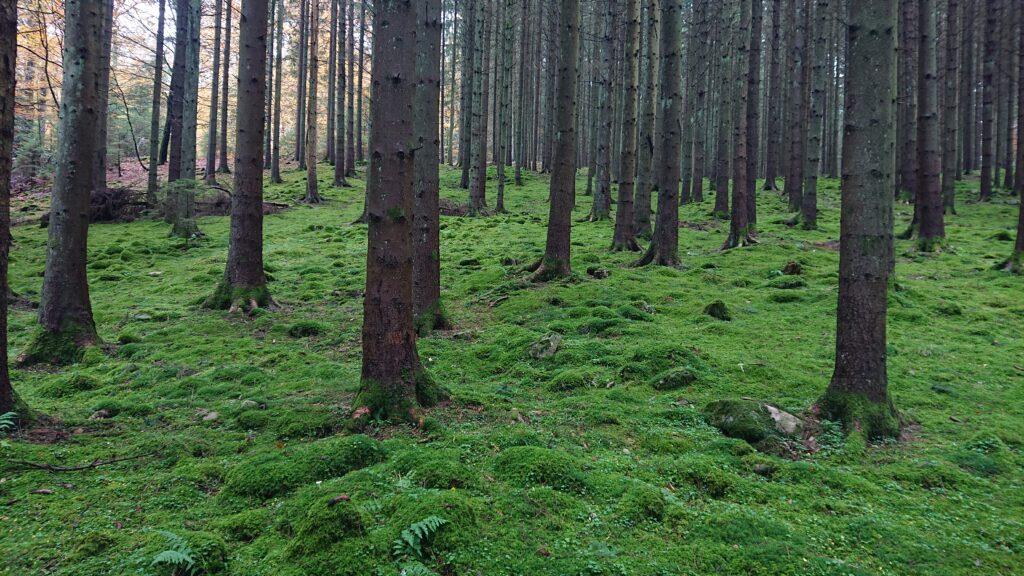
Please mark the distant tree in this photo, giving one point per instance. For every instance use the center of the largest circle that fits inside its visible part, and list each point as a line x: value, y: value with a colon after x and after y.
x: 211, y: 145
x: 244, y: 285
x: 624, y: 238
x: 950, y: 117
x: 739, y: 225
x: 176, y: 112
x: 65, y: 312
x: 646, y: 145
x: 225, y: 77
x: 312, y: 188
x: 478, y: 140
x: 275, y: 158
x: 154, y: 126
x: 340, y: 157
x: 1019, y: 179
x: 775, y: 99
x: 350, y: 137
x: 988, y: 89
x: 858, y: 393
x: 796, y: 14
x: 303, y: 76
x: 103, y: 107
x: 394, y: 385
x: 928, y: 202
x: 556, y: 260
x: 426, y: 215
x: 601, y: 209
x: 819, y: 80
x: 664, y: 248
x: 9, y: 400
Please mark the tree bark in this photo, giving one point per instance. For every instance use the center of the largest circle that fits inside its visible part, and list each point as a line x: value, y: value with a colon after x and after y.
x: 312, y: 188
x: 177, y: 109
x: 932, y: 230
x: 303, y: 76
x: 992, y: 14
x: 646, y: 146
x: 350, y: 139
x: 795, y: 173
x: 426, y: 216
x: 739, y: 226
x: 624, y: 238
x: 556, y: 261
x: 478, y: 141
x: 332, y: 77
x: 775, y: 118
x: 701, y: 27
x: 858, y: 393
x: 394, y: 386
x: 359, y: 81
x: 190, y: 110
x: 727, y: 95
x: 65, y: 312
x: 753, y: 111
x: 223, y: 166
x: 812, y: 158
x: 907, y: 129
x: 951, y: 118
x: 211, y: 145
x: 275, y: 159
x: 664, y: 248
x: 244, y: 285
x: 601, y: 209
x: 341, y: 158
x: 9, y: 401
x: 152, y: 180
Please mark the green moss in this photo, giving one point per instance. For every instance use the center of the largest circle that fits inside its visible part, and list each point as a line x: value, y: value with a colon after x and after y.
x: 306, y: 424
x: 530, y: 466
x: 464, y: 514
x: 375, y: 402
x: 307, y: 328
x: 326, y: 522
x: 245, y: 526
x: 859, y: 414
x: 252, y: 420
x: 744, y: 419
x: 431, y: 469
x: 576, y: 378
x: 69, y: 386
x: 227, y: 297
x: 787, y: 283
x: 93, y: 544
x: 61, y: 347
x: 719, y: 310
x: 641, y: 503
x: 674, y: 379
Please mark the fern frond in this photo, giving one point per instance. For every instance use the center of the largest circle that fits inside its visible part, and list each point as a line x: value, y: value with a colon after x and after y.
x: 411, y: 540
x: 8, y: 421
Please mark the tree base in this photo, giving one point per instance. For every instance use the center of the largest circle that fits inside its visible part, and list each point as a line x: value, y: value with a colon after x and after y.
x: 720, y: 215
x: 60, y: 348
x: 548, y: 269
x: 431, y: 319
x: 233, y: 299
x: 186, y: 228
x: 600, y: 216
x: 377, y: 401
x: 654, y: 256
x: 312, y: 199
x: 629, y: 245
x: 875, y: 420
x: 1013, y: 265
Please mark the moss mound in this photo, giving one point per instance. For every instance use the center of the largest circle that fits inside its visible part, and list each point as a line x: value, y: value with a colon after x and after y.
x: 641, y: 503
x: 527, y: 466
x: 748, y: 420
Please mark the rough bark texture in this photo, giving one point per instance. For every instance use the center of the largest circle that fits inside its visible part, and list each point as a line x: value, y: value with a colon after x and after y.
x: 858, y: 393
x: 1019, y: 181
x: 177, y: 104
x: 795, y: 166
x: 701, y: 24
x: 478, y: 140
x: 393, y: 385
x: 426, y: 216
x: 245, y: 284
x: 812, y: 159
x: 753, y: 110
x: 928, y: 204
x: 951, y: 118
x: 563, y: 174
x: 664, y: 248
x: 725, y: 117
x: 65, y: 313
x: 907, y: 120
x: 775, y: 118
x: 340, y: 158
x: 103, y: 106
x: 624, y: 238
x: 739, y: 225
x: 9, y: 401
x: 152, y: 180
x: 190, y: 109
x: 303, y: 76
x: 275, y: 158
x: 312, y: 185
x: 350, y: 139
x: 601, y: 209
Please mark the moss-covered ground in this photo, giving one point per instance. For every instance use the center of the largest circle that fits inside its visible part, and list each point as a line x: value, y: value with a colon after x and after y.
x: 593, y: 460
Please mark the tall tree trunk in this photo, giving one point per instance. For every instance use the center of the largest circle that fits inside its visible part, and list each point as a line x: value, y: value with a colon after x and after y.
x: 624, y: 238
x: 223, y: 166
x: 556, y: 261
x: 968, y: 86
x: 1009, y: 75
x: 275, y: 159
x: 1019, y: 182
x: 478, y: 141
x: 65, y: 313
x: 341, y: 158
x: 929, y: 196
x: 602, y: 193
x: 211, y: 144
x: 100, y: 174
x: 303, y: 77
x: 951, y: 118
x: 726, y: 94
x: 426, y: 215
x: 9, y: 401
x: 244, y: 285
x: 797, y: 115
x: 312, y: 188
x: 907, y: 129
x: 466, y: 96
x: 350, y: 139
x: 190, y: 111
x: 153, y: 182
x: 504, y: 98
x: 701, y: 28
x: 393, y: 383
x: 177, y: 109
x: 775, y: 118
x: 332, y: 77
x: 359, y: 82
x: 664, y: 248
x: 646, y: 145
x: 819, y: 80
x: 268, y: 132
x: 753, y: 111
x: 739, y: 226
x: 988, y: 97
x: 858, y: 393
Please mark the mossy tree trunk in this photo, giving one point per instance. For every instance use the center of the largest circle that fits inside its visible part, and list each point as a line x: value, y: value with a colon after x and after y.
x: 394, y: 384
x: 65, y: 312
x: 625, y: 238
x: 312, y: 186
x: 664, y: 248
x: 556, y: 261
x: 858, y: 393
x: 426, y: 216
x: 245, y: 284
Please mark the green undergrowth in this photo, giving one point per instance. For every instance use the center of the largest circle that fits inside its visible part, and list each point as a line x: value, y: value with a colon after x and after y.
x: 594, y: 459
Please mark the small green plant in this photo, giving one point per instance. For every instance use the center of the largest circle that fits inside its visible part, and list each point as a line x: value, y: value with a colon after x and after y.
x: 415, y: 569
x: 412, y: 540
x: 179, y: 556
x: 8, y: 421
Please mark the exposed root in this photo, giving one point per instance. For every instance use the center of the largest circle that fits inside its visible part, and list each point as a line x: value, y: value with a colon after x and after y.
x: 738, y: 241
x: 629, y: 245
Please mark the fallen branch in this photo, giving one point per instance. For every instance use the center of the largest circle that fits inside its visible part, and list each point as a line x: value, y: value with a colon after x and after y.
x: 94, y: 464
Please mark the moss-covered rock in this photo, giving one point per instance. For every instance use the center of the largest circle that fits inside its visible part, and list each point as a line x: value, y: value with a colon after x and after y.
x: 751, y: 420
x: 674, y: 379
x: 719, y: 310
x: 531, y: 465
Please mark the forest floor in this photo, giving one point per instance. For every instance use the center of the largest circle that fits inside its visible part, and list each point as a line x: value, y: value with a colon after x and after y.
x: 569, y: 464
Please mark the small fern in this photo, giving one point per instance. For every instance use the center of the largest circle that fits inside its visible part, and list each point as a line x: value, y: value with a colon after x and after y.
x: 412, y: 540
x: 179, y: 557
x: 415, y: 569
x: 8, y: 421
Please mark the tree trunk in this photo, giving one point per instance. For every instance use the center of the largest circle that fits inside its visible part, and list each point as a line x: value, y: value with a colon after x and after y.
x: 312, y: 188
x: 967, y: 89
x: 275, y: 159
x: 9, y: 401
x: 268, y: 131
x: 426, y: 216
x: 190, y: 111
x: 858, y: 393
x: 624, y: 238
x: 359, y: 81
x: 504, y: 98
x: 775, y: 118
x: 341, y: 158
x: 1019, y: 182
x: 646, y: 145
x: 65, y: 312
x: 245, y: 284
x: 907, y: 129
x: 988, y: 98
x: 332, y: 77
x: 393, y: 383
x: 928, y: 205
x: 556, y: 261
x: 303, y: 76
x: 739, y: 226
x: 177, y: 109
x: 1009, y: 75
x: 350, y: 148
x: 701, y: 27
x: 951, y: 118
x: 466, y: 96
x: 795, y: 173
x: 223, y: 166
x: 153, y: 183
x: 664, y: 248
x: 601, y: 209
x: 753, y: 111
x: 211, y: 143
x: 478, y: 141
x: 726, y: 95
x: 819, y: 80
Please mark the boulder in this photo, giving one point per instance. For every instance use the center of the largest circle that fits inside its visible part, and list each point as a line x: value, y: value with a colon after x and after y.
x: 752, y: 420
